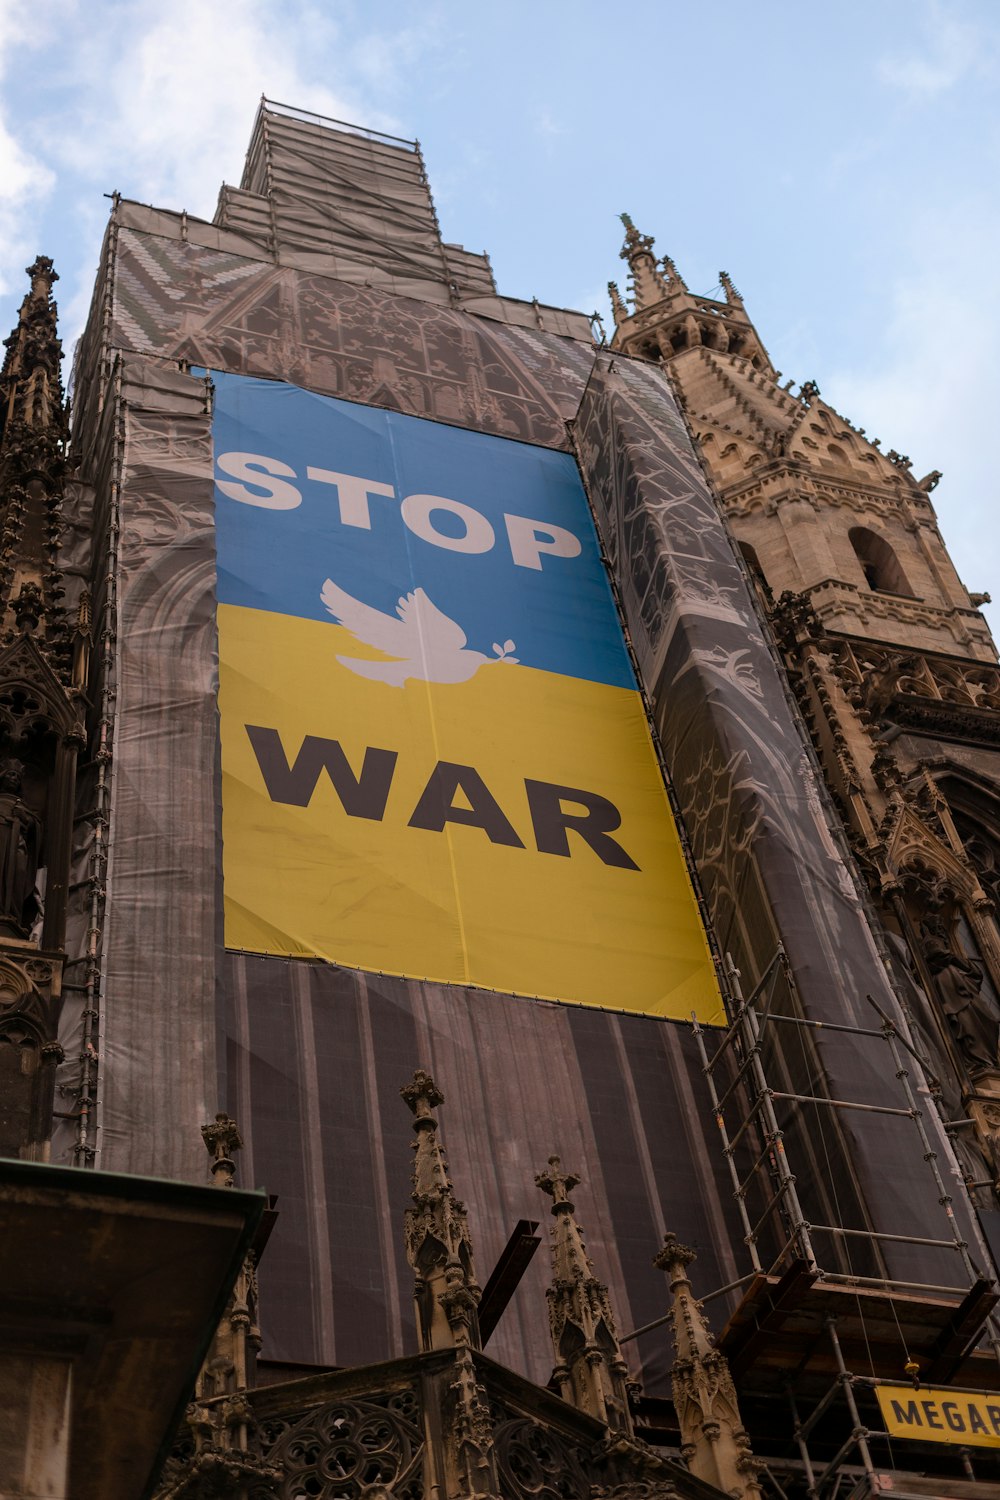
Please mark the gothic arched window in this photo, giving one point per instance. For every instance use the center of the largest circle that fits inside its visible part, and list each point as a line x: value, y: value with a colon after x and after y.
x: 879, y: 563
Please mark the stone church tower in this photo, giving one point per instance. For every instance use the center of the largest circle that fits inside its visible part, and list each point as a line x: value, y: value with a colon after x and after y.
x: 824, y: 697
x: 891, y: 662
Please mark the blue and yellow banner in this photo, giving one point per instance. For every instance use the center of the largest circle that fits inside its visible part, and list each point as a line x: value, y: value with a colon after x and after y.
x: 435, y: 759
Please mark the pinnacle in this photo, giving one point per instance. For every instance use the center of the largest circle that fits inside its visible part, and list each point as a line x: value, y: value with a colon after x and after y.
x: 726, y: 282
x: 438, y: 1246
x: 618, y: 306
x: 677, y: 282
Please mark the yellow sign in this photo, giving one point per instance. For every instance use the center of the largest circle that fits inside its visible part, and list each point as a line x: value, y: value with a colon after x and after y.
x: 941, y: 1416
x: 436, y: 762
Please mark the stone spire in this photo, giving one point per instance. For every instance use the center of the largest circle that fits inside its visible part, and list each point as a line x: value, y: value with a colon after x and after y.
x: 713, y: 1439
x: 33, y: 433
x: 648, y: 285
x: 438, y: 1245
x: 446, y: 1297
x: 38, y: 649
x: 43, y: 671
x: 589, y: 1370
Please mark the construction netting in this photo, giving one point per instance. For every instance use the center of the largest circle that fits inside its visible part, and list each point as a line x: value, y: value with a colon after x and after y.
x: 310, y: 1056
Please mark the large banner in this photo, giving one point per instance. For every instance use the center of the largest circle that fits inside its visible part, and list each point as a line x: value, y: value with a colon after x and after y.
x: 436, y: 762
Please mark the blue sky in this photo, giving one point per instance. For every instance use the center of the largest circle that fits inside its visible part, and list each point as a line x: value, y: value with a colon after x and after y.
x: 840, y: 162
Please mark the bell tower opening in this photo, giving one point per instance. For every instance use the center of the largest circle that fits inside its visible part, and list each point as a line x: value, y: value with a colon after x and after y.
x: 879, y: 563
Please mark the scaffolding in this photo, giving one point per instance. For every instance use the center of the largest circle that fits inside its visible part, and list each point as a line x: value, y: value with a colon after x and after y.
x: 805, y: 1325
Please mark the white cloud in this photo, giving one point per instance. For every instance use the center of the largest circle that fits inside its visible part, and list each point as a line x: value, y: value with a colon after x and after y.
x: 171, y: 93
x: 952, y: 49
x: 381, y: 59
x: 157, y: 101
x: 25, y: 181
x: 14, y: 26
x: 548, y: 125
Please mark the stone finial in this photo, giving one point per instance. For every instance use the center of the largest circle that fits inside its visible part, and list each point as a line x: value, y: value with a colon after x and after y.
x: 648, y: 285
x: 222, y: 1139
x: 438, y: 1245
x: 42, y: 271
x: 672, y: 1253
x: 422, y: 1095
x: 714, y: 1441
x: 589, y: 1370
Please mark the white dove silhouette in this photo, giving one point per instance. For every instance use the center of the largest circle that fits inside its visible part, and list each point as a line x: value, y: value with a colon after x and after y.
x: 429, y: 647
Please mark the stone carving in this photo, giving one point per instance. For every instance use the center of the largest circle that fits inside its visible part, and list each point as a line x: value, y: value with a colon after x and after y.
x: 20, y: 832
x: 350, y: 1450
x: 922, y: 691
x: 989, y: 1139
x: 535, y: 1463
x: 959, y: 982
x: 29, y: 1056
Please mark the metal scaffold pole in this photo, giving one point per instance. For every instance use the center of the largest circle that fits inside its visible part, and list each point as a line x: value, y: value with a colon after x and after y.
x: 749, y: 1114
